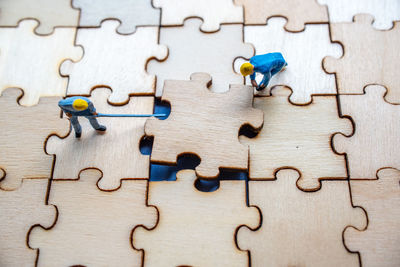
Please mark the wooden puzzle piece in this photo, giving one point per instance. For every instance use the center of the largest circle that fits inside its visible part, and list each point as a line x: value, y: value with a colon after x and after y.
x: 300, y: 228
x: 191, y: 50
x: 23, y: 134
x: 204, y: 123
x: 378, y: 245
x: 377, y: 130
x: 297, y: 12
x: 359, y: 66
x: 49, y: 13
x: 195, y: 228
x: 304, y: 74
x: 130, y: 13
x: 116, y: 152
x: 19, y: 211
x: 298, y: 137
x: 93, y: 227
x: 212, y: 12
x: 384, y: 11
x: 31, y: 62
x: 115, y: 61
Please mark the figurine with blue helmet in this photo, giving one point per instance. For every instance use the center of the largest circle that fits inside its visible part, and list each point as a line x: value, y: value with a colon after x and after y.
x: 79, y: 106
x: 267, y: 64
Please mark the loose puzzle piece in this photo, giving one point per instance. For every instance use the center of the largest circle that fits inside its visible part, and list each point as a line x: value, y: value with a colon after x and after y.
x: 212, y: 12
x: 196, y: 228
x: 130, y: 13
x: 379, y: 243
x: 116, y: 152
x: 204, y: 123
x: 297, y: 12
x: 19, y: 211
x: 191, y: 50
x: 300, y: 228
x: 115, y: 61
x: 359, y: 66
x: 384, y: 11
x: 31, y: 62
x: 304, y: 73
x: 93, y: 227
x: 377, y: 131
x: 298, y: 137
x: 23, y: 134
x: 49, y: 13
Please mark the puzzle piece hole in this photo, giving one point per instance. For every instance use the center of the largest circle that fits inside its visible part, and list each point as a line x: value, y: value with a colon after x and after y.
x: 248, y: 131
x: 159, y: 172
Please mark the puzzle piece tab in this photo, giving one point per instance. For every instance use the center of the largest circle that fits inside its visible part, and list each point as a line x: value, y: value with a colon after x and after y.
x: 300, y: 228
x: 93, y: 227
x: 130, y: 13
x: 304, y: 74
x: 23, y: 134
x: 204, y: 123
x: 297, y: 12
x: 298, y: 137
x: 115, y: 61
x: 195, y: 228
x: 212, y: 12
x: 359, y: 67
x: 31, y: 62
x: 377, y: 131
x: 384, y: 11
x: 378, y: 245
x: 49, y: 13
x: 116, y: 152
x: 19, y: 211
x: 191, y: 50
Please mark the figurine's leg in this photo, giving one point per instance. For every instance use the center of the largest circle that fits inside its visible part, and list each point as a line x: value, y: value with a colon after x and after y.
x: 264, y: 82
x: 95, y: 124
x: 77, y: 127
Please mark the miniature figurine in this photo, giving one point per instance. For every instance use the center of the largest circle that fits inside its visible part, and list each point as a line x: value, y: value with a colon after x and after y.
x: 267, y: 64
x: 77, y: 106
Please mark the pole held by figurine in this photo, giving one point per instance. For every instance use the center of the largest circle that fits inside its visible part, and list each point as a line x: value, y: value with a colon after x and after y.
x: 129, y: 115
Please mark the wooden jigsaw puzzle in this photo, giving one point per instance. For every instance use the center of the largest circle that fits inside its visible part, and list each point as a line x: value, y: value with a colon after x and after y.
x: 305, y: 172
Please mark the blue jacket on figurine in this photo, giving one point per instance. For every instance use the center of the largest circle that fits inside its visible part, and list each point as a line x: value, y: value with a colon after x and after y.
x: 66, y: 106
x: 268, y: 65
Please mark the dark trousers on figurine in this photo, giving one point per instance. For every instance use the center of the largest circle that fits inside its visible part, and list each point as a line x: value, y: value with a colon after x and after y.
x: 77, y: 127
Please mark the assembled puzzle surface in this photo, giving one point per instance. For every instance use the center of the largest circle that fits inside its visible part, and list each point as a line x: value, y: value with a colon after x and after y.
x: 303, y: 173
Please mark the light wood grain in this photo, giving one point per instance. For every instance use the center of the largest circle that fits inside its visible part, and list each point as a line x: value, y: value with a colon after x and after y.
x: 297, y: 12
x: 23, y: 134
x: 204, y: 123
x: 93, y: 227
x: 212, y: 12
x: 19, y: 210
x: 304, y: 73
x: 191, y: 50
x: 130, y: 13
x: 50, y: 13
x: 116, y: 152
x: 299, y: 228
x: 379, y: 243
x: 370, y: 57
x: 384, y: 11
x: 377, y: 131
x: 196, y: 228
x: 115, y: 61
x: 297, y: 137
x: 31, y: 62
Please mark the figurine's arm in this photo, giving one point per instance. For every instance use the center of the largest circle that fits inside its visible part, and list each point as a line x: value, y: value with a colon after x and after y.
x: 253, y: 79
x: 92, y: 109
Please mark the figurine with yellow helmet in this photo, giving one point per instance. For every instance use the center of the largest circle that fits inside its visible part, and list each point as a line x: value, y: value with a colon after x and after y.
x: 267, y: 64
x: 79, y: 106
